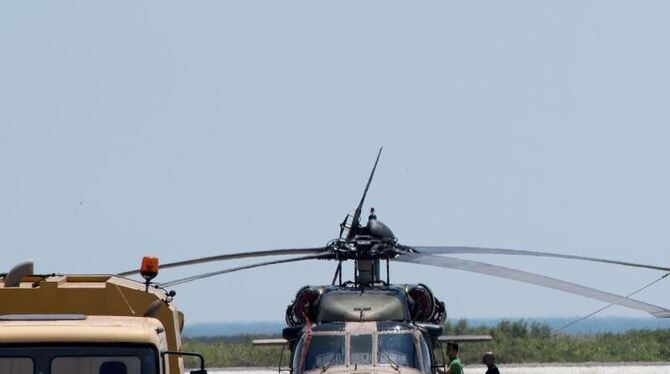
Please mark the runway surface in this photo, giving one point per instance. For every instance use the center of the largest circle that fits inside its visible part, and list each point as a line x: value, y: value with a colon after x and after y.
x: 582, y: 368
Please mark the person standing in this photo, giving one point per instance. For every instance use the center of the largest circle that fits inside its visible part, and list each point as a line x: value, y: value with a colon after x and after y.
x: 455, y: 365
x: 489, y: 360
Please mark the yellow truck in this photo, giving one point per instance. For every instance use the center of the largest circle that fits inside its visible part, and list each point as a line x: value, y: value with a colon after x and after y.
x: 88, y: 324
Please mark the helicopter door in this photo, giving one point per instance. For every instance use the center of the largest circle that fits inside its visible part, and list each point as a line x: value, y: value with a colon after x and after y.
x: 426, y: 357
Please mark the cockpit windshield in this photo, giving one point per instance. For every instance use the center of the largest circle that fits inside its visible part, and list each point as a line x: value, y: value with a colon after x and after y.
x: 398, y: 350
x: 388, y: 348
x: 361, y: 349
x: 325, y: 351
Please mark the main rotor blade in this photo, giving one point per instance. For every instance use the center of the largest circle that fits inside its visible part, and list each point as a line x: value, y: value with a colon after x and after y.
x: 235, y: 256
x: 532, y: 278
x: 231, y: 270
x: 515, y: 252
x: 357, y: 214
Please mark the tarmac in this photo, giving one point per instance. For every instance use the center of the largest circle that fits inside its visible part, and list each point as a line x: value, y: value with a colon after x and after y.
x: 577, y: 368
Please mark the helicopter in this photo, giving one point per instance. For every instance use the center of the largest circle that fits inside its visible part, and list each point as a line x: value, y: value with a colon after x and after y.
x: 372, y: 325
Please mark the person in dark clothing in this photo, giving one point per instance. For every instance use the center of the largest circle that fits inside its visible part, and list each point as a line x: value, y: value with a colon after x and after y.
x: 489, y: 360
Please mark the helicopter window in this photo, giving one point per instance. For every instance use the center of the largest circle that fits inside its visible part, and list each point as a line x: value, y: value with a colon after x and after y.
x: 425, y: 355
x: 361, y: 350
x: 18, y: 365
x: 325, y: 351
x: 398, y: 350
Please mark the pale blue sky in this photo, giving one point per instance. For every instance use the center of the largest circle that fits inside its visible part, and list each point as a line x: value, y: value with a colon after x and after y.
x: 191, y: 129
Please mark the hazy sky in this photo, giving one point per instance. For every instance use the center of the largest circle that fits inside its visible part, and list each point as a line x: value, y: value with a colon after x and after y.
x: 187, y: 129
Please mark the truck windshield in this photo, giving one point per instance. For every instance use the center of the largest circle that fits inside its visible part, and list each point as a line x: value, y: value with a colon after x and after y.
x: 78, y: 359
x: 17, y: 365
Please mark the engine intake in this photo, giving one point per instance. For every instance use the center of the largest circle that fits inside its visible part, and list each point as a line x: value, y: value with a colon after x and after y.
x: 305, y: 306
x: 424, y: 306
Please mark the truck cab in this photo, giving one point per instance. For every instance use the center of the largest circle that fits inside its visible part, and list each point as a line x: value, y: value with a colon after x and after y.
x: 72, y: 343
x: 87, y: 324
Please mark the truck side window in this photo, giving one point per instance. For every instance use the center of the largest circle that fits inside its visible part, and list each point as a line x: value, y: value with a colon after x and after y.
x: 96, y: 365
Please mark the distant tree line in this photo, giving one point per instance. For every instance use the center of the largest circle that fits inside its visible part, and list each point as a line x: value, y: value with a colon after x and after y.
x: 521, y: 342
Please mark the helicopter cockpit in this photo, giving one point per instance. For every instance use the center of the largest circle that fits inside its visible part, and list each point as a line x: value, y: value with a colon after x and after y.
x: 378, y: 346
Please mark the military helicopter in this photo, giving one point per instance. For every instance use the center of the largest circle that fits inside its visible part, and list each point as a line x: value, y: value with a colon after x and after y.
x: 369, y: 324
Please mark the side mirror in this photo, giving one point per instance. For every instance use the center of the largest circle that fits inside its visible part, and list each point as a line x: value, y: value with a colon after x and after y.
x: 198, y: 355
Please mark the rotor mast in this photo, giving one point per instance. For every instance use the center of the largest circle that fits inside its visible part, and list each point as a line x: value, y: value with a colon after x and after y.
x: 366, y: 270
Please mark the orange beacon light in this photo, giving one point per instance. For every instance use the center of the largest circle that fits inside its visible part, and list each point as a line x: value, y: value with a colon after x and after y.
x: 149, y: 268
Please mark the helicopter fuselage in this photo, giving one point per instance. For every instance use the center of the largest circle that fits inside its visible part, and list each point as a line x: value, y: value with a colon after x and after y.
x: 362, y: 347
x: 380, y: 328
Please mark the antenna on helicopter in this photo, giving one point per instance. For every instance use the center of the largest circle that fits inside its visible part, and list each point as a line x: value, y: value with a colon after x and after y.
x: 351, y: 227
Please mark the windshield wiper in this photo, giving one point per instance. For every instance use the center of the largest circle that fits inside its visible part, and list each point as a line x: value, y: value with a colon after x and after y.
x: 395, y: 366
x: 327, y: 365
